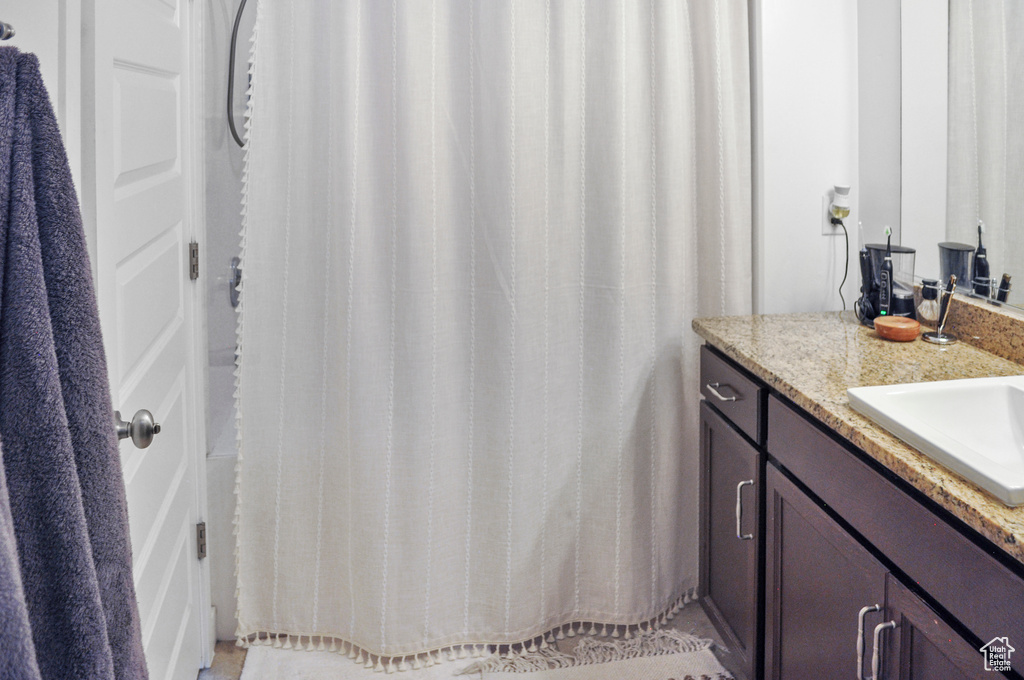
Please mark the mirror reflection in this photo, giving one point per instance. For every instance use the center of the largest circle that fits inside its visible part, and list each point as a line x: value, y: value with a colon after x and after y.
x: 982, y: 240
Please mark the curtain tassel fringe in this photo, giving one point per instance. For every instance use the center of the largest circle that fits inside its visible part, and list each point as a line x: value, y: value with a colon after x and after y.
x: 647, y: 636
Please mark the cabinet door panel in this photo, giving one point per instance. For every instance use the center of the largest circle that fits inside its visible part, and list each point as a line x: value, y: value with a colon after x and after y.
x: 729, y: 583
x: 972, y: 585
x: 818, y: 578
x: 922, y: 645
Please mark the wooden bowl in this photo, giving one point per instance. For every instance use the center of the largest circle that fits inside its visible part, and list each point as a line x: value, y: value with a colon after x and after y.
x: 898, y: 328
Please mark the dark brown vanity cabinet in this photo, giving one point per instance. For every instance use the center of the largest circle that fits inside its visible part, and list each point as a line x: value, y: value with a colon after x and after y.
x: 731, y: 501
x: 730, y: 536
x: 818, y: 580
x: 840, y: 552
x: 832, y: 608
x: 921, y: 644
x: 928, y: 557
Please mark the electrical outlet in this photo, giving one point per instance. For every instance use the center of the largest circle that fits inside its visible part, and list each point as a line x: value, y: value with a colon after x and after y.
x: 827, y: 228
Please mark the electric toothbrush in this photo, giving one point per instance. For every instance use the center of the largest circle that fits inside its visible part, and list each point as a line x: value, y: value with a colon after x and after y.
x: 885, y: 283
x: 982, y: 283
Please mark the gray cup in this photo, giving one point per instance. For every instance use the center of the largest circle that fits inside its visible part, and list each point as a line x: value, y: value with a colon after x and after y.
x: 954, y: 258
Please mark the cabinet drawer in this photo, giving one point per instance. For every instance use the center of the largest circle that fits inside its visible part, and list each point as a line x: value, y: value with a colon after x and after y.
x: 965, y: 579
x: 737, y: 396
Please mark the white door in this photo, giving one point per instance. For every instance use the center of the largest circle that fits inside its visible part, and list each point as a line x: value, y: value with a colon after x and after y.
x: 137, y: 55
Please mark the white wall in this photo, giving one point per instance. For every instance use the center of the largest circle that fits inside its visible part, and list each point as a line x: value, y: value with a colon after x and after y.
x: 37, y: 30
x: 806, y: 140
x: 51, y: 29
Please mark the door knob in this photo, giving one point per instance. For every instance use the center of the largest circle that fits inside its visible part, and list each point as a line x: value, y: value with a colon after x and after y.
x: 141, y: 429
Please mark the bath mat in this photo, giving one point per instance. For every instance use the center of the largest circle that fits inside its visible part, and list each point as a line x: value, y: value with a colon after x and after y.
x: 653, y: 655
x: 656, y: 655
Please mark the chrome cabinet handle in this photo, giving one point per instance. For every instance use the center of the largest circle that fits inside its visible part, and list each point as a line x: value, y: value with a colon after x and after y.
x: 718, y: 395
x: 860, y: 638
x: 141, y: 429
x: 876, y: 660
x: 739, y: 511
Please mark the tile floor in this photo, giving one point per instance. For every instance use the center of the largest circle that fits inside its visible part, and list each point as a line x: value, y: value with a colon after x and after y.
x: 229, y: 658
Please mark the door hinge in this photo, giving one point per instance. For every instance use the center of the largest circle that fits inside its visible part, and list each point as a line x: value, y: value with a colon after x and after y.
x: 201, y: 540
x: 193, y: 260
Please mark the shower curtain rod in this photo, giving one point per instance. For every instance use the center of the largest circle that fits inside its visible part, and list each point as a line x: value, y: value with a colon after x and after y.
x: 6, y: 31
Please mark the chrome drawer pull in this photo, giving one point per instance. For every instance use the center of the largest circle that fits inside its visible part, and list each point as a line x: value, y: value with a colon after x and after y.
x: 860, y: 638
x: 876, y: 660
x: 739, y: 511
x: 718, y: 395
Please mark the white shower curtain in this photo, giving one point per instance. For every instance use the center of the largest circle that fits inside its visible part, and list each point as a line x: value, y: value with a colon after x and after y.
x: 475, y: 236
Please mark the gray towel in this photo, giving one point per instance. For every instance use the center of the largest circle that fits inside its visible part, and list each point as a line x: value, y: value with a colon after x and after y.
x: 64, y: 486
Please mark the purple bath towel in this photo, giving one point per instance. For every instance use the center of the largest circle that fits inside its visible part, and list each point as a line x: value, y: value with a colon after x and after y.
x: 17, y: 653
x: 64, y: 495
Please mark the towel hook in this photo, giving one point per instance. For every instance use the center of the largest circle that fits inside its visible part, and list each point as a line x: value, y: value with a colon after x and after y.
x: 6, y: 31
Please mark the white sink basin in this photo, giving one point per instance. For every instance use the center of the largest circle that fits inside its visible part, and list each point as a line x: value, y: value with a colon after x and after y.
x: 974, y: 427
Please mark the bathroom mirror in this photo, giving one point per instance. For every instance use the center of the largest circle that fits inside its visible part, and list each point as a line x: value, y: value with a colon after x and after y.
x: 962, y: 150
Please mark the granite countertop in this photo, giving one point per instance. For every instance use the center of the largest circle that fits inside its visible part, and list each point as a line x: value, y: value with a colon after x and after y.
x: 813, y: 358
